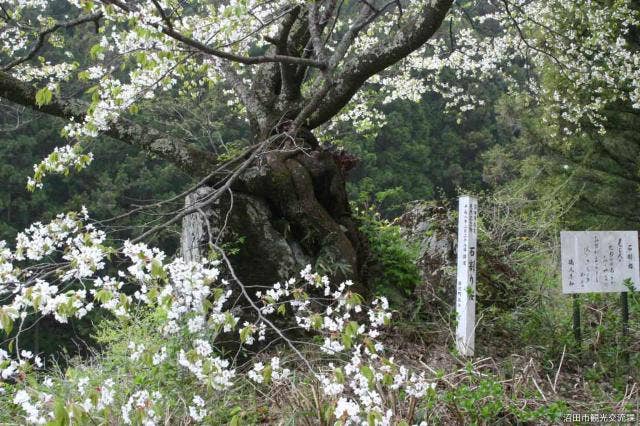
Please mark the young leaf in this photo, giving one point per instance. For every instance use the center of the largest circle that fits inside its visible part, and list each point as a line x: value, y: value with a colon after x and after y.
x: 43, y: 96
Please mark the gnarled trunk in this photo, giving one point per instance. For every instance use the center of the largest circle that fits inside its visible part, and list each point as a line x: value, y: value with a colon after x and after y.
x: 285, y: 211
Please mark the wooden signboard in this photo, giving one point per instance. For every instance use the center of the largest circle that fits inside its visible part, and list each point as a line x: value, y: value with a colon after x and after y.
x: 599, y: 261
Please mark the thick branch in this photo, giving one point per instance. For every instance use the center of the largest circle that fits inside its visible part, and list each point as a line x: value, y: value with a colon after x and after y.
x: 315, y: 30
x: 357, y: 70
x: 187, y: 157
x: 287, y: 71
x: 326, y: 80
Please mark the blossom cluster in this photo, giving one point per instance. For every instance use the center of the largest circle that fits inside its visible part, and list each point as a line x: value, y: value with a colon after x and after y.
x: 586, y: 49
x: 358, y: 388
x: 189, y: 301
x: 189, y: 297
x: 132, y: 59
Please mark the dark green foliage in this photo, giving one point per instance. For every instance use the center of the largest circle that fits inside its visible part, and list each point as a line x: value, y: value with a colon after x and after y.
x: 596, y: 171
x: 119, y: 178
x: 421, y: 151
x: 392, y: 267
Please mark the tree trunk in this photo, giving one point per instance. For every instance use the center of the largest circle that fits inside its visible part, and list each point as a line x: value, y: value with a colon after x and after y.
x: 285, y: 211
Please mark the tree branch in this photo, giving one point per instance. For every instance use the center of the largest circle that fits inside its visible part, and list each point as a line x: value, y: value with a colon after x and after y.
x: 316, y: 31
x: 357, y: 70
x: 187, y: 157
x: 247, y: 60
x: 42, y: 37
x: 287, y: 71
x: 325, y: 82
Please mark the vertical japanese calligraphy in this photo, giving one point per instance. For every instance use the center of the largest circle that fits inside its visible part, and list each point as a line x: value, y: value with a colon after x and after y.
x: 599, y: 261
x: 466, y: 279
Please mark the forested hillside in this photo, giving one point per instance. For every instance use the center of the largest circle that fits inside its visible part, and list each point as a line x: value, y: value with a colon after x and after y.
x: 246, y: 212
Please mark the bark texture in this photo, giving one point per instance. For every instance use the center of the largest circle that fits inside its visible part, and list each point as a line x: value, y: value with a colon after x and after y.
x: 285, y: 211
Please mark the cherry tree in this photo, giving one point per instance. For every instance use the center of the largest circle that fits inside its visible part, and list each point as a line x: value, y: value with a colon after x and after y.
x: 292, y: 66
x: 294, y: 70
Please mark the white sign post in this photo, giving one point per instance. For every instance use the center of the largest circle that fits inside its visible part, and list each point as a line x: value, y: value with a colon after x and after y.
x: 466, y: 283
x: 599, y: 261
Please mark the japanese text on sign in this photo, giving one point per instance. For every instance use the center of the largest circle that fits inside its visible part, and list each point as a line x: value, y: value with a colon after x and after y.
x: 466, y: 277
x: 599, y: 261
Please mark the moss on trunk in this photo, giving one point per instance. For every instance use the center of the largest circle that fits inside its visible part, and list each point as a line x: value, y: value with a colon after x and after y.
x: 286, y: 211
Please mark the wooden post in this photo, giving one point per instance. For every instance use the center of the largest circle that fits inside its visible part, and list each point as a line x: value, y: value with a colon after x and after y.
x: 624, y: 343
x: 577, y: 331
x: 466, y: 277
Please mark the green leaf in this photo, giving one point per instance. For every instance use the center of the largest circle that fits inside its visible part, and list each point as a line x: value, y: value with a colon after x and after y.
x: 350, y: 332
x: 157, y: 271
x: 316, y: 321
x: 367, y: 373
x: 6, y: 322
x: 370, y: 345
x: 83, y: 75
x: 245, y: 332
x: 353, y: 327
x: 103, y: 295
x: 88, y: 6
x: 347, y: 340
x: 266, y: 374
x: 355, y: 299
x: 387, y: 379
x: 328, y: 412
x: 371, y: 419
x: 92, y: 89
x: 43, y: 96
x: 61, y: 416
x: 153, y: 294
x: 96, y: 50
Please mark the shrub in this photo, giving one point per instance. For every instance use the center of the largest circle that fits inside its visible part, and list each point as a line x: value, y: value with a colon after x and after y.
x: 392, y: 266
